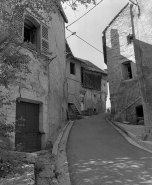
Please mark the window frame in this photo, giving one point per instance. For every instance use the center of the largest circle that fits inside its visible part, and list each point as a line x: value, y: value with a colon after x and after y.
x: 72, y: 69
x: 125, y: 71
x: 39, y: 35
x: 30, y: 45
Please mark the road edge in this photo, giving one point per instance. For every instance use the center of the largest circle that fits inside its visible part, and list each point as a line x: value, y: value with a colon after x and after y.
x: 131, y: 137
x: 62, y: 163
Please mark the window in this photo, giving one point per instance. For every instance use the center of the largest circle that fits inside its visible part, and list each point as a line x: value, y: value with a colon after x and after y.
x: 130, y: 38
x: 30, y: 32
x: 127, y: 71
x: 72, y: 68
x: 36, y: 35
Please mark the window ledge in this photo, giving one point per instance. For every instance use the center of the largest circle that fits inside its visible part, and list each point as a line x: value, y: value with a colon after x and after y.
x: 128, y: 80
x: 29, y: 46
x: 34, y: 50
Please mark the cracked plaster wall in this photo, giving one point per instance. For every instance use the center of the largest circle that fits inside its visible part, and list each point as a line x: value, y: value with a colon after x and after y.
x: 142, y: 16
x: 45, y: 84
x: 122, y: 92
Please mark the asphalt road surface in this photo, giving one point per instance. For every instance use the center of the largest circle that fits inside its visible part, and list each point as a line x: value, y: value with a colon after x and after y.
x: 99, y: 155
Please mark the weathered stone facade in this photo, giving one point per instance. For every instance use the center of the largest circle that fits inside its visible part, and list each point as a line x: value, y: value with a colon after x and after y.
x: 45, y: 85
x: 142, y: 27
x: 120, y: 57
x: 86, y: 98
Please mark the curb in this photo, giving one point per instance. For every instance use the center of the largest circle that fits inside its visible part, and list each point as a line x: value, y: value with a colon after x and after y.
x: 62, y: 163
x: 59, y: 149
x: 56, y: 144
x: 131, y: 138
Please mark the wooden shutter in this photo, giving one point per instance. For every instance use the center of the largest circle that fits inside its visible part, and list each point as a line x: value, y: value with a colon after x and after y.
x: 44, y: 38
x: 18, y: 23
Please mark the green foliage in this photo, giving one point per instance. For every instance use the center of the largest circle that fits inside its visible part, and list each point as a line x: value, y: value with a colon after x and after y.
x: 10, y: 163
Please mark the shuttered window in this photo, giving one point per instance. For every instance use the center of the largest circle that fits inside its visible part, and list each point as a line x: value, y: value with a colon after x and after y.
x: 44, y: 38
x: 18, y: 23
x: 27, y: 28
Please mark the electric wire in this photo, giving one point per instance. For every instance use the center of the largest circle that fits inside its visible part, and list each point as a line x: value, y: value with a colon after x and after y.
x: 84, y: 14
x: 89, y: 44
x: 78, y: 20
x: 84, y: 40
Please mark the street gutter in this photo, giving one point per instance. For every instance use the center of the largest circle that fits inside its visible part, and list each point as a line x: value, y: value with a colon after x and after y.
x: 131, y: 138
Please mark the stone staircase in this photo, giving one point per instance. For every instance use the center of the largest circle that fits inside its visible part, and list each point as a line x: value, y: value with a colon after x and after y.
x: 76, y: 113
x: 75, y: 106
x: 74, y: 109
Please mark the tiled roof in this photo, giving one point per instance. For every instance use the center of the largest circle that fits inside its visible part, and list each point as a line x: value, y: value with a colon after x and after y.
x: 90, y: 66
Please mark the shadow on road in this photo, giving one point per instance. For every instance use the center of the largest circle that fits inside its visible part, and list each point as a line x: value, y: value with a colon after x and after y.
x: 124, y: 171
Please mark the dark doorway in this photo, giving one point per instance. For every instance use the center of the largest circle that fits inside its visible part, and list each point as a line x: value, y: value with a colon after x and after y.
x: 140, y: 114
x: 27, y: 136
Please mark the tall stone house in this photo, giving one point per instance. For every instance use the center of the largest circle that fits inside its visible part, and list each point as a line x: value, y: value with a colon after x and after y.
x: 87, y: 86
x: 41, y: 99
x: 119, y: 55
x: 127, y: 48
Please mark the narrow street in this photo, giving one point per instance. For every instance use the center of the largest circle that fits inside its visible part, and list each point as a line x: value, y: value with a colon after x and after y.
x: 99, y: 155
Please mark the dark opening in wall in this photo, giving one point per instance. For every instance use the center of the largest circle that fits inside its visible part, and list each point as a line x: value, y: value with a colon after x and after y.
x: 130, y: 38
x: 127, y: 71
x: 72, y: 68
x: 140, y: 115
x: 30, y: 32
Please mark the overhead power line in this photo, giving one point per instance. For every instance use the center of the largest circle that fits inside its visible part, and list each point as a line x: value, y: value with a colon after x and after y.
x: 84, y: 14
x: 74, y: 33
x: 88, y: 43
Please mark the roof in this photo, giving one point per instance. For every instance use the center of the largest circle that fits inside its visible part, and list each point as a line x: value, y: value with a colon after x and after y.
x: 87, y: 64
x: 115, y: 17
x: 60, y: 8
x: 90, y: 66
x: 63, y: 15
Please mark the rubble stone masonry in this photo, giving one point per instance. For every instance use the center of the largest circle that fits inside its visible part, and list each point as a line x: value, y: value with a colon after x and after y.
x: 45, y: 85
x: 142, y: 24
x: 124, y: 93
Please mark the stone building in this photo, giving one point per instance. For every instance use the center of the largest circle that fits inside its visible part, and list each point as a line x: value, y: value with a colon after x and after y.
x: 41, y: 99
x: 142, y: 32
x: 119, y: 55
x: 87, y: 85
x: 127, y: 43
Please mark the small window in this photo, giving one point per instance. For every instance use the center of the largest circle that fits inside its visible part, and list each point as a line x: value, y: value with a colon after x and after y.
x: 30, y: 31
x: 127, y: 71
x: 72, y: 68
x: 130, y: 38
x: 36, y: 36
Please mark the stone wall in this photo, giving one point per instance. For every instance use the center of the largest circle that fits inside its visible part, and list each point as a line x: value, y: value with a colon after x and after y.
x: 141, y: 16
x: 123, y: 92
x: 45, y: 84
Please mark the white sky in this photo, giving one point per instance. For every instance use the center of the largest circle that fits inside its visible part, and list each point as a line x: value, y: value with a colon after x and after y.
x: 90, y: 28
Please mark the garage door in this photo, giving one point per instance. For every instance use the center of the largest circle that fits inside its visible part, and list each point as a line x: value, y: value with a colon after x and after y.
x: 27, y: 136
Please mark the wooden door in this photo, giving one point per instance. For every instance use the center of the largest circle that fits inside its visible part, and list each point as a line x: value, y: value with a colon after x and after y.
x: 27, y: 127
